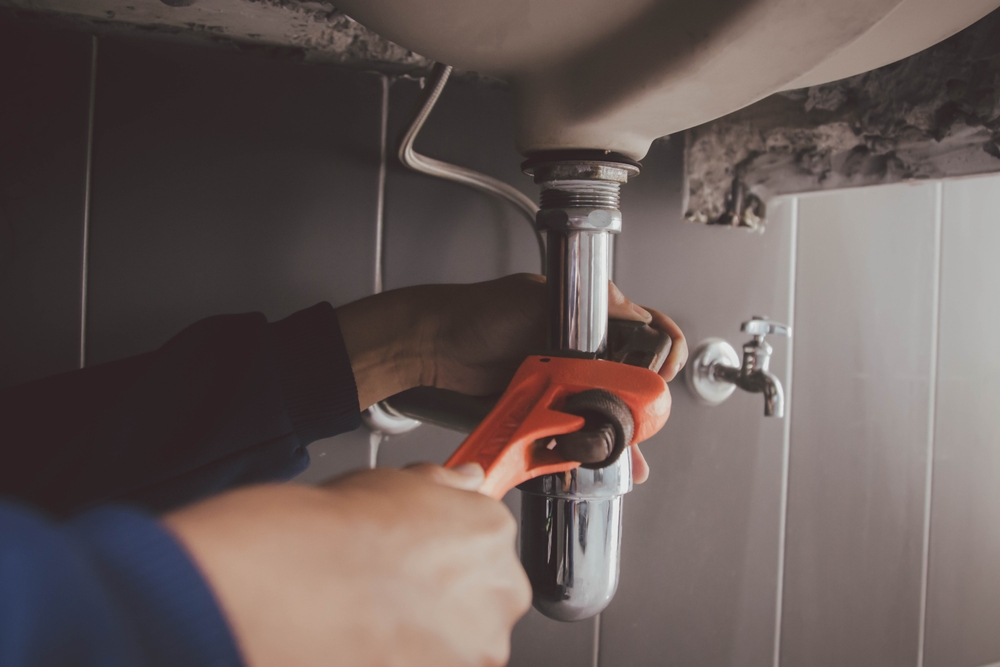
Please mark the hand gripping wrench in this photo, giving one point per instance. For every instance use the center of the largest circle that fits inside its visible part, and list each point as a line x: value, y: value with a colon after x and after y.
x: 527, y: 434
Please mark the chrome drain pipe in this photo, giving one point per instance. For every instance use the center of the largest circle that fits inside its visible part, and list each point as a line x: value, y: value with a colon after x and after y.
x: 571, y: 522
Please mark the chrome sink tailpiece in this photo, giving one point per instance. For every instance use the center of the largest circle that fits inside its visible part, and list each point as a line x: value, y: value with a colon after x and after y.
x: 571, y: 522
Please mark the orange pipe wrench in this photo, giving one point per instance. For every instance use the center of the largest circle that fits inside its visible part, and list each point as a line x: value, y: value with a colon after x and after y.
x: 509, y: 443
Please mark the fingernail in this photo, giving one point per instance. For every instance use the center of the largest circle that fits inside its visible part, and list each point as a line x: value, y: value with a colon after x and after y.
x: 473, y: 470
x: 675, y: 368
x: 641, y: 312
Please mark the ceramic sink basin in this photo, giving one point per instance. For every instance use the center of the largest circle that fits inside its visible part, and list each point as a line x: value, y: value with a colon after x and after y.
x: 616, y: 74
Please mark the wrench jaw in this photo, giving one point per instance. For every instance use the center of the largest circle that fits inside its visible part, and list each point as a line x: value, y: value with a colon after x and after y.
x: 608, y: 428
x: 510, y: 444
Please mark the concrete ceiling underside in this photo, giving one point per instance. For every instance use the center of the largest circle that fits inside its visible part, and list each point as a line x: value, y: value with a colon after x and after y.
x: 307, y: 30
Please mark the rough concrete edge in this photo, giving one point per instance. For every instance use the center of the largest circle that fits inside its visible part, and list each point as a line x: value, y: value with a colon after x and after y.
x: 933, y: 115
x: 332, y: 38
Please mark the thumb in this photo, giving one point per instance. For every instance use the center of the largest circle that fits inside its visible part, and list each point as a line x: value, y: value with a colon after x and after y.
x: 466, y: 477
x: 620, y: 308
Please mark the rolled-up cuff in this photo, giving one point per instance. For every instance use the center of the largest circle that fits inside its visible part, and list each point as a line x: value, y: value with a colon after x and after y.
x: 315, y: 373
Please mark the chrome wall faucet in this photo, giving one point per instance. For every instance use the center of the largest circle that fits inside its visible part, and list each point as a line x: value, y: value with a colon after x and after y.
x: 715, y: 370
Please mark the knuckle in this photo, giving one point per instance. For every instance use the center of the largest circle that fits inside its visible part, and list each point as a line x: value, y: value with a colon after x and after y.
x: 522, y: 592
x: 503, y: 522
x: 502, y: 653
x: 497, y: 655
x: 422, y: 468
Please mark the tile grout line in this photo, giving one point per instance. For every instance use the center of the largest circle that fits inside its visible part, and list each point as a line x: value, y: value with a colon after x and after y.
x: 375, y: 439
x: 380, y: 203
x: 931, y: 415
x: 85, y: 246
x: 597, y: 641
x: 786, y: 438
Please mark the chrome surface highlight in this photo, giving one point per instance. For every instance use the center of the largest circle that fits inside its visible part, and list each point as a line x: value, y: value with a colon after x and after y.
x: 578, y: 289
x: 571, y: 538
x: 579, y: 212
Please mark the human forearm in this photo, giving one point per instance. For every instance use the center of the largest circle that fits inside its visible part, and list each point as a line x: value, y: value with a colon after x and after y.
x: 390, y: 340
x: 230, y: 400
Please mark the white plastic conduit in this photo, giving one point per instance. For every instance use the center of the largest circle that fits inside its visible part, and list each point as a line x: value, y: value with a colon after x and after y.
x: 451, y: 172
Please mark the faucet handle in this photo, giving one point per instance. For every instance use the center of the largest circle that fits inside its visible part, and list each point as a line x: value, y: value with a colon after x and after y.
x: 761, y: 326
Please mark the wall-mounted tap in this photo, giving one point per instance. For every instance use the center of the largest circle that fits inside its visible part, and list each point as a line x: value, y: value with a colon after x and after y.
x: 715, y: 370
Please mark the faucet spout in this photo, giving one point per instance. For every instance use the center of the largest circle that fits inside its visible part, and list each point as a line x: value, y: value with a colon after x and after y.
x: 774, y: 395
x: 756, y: 381
x: 715, y: 371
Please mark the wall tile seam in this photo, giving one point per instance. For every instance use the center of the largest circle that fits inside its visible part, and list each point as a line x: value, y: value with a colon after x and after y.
x: 382, y: 170
x: 786, y: 434
x: 596, y: 661
x: 375, y: 439
x: 87, y: 188
x: 931, y: 418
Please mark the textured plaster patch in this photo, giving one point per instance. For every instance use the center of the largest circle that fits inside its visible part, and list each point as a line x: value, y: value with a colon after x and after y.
x: 932, y: 115
x: 299, y: 29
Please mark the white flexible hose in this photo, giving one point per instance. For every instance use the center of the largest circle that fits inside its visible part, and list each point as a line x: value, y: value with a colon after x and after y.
x: 451, y: 172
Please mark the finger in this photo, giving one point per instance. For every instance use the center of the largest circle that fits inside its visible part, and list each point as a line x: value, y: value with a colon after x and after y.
x: 620, y: 308
x: 640, y: 469
x: 467, y: 477
x: 678, y: 351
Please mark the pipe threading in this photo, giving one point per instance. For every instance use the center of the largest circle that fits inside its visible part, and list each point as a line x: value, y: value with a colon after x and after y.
x: 580, y: 194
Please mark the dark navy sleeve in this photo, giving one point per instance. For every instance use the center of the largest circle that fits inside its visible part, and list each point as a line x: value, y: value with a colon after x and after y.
x: 110, y: 588
x: 230, y: 400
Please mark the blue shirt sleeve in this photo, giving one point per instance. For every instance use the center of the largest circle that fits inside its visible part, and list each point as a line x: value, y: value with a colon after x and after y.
x: 109, y: 588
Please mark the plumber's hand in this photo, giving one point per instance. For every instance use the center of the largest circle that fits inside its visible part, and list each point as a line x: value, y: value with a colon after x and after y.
x: 486, y: 329
x: 468, y: 338
x: 382, y: 567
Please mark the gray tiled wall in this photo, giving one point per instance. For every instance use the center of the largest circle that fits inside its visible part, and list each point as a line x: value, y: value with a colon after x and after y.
x: 892, y: 541
x: 700, y: 544
x: 864, y: 346
x: 963, y: 594
x: 224, y: 182
x: 45, y: 93
x: 222, y: 185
